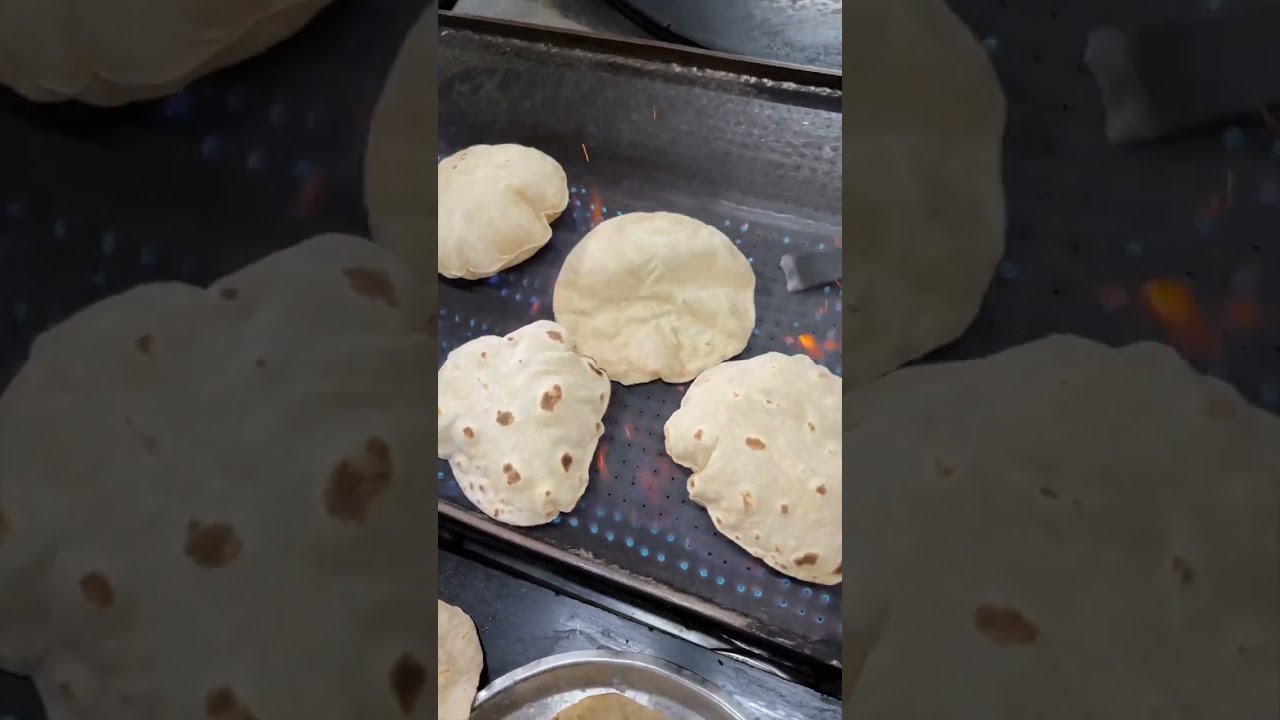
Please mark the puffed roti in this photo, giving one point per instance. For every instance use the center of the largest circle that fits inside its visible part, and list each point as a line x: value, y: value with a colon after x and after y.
x: 459, y: 659
x: 656, y: 296
x: 212, y: 499
x: 609, y: 706
x: 1064, y: 530
x: 112, y: 53
x: 763, y: 438
x: 497, y: 203
x: 518, y: 420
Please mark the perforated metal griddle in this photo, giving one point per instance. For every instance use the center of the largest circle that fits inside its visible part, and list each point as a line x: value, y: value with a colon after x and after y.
x: 752, y: 149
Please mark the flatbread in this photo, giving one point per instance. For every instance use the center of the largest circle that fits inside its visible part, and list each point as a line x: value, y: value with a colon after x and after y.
x: 459, y: 660
x: 609, y: 706
x: 497, y: 203
x: 112, y: 53
x: 763, y: 438
x: 926, y: 226
x: 518, y: 420
x: 1073, y: 530
x: 656, y: 296
x: 221, y: 515
x: 401, y: 152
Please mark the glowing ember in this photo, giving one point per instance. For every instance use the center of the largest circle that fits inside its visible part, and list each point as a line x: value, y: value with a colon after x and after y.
x: 602, y: 464
x: 626, y: 428
x: 597, y: 208
x: 811, y: 346
x: 1172, y: 303
x: 586, y: 154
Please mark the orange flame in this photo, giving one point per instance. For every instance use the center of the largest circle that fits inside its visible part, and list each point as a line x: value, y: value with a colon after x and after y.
x: 1172, y: 302
x: 811, y: 346
x: 597, y: 208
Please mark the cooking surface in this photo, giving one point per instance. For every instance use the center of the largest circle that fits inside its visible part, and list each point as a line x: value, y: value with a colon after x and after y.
x: 520, y: 622
x: 759, y: 162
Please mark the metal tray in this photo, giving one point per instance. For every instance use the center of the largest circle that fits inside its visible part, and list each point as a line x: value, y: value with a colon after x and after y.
x: 752, y: 148
x: 543, y: 688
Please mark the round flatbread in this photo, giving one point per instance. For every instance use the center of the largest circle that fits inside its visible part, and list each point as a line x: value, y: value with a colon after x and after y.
x: 111, y: 53
x: 656, y: 296
x: 220, y: 516
x: 925, y: 229
x: 518, y: 420
x: 460, y: 661
x: 1073, y: 529
x: 609, y: 706
x: 762, y: 437
x: 497, y: 203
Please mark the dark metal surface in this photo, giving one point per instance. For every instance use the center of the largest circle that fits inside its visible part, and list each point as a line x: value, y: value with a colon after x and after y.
x: 520, y: 622
x: 1172, y: 241
x: 806, y: 32
x: 754, y: 158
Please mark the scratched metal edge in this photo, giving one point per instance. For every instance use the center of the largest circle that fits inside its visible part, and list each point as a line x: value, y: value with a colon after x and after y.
x: 649, y: 50
x: 638, y: 584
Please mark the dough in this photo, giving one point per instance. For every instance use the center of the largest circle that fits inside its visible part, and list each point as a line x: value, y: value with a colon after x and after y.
x: 656, y: 296
x: 220, y: 515
x: 460, y: 662
x: 762, y: 437
x: 112, y: 53
x: 925, y: 229
x: 518, y: 420
x: 609, y: 706
x: 1061, y: 531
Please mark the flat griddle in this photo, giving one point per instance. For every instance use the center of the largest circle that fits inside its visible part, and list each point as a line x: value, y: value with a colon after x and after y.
x: 751, y: 148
